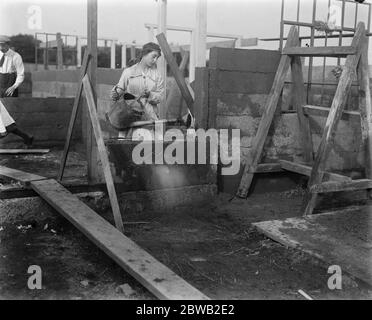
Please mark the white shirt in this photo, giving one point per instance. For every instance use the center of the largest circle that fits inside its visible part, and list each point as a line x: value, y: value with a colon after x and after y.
x: 13, y: 63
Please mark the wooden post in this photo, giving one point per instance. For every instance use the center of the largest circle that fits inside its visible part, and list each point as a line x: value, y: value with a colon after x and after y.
x: 365, y: 109
x: 201, y: 33
x: 113, y: 51
x: 299, y: 101
x: 78, y: 51
x: 192, y: 57
x: 162, y: 64
x: 132, y: 52
x: 92, y: 157
x: 123, y: 55
x: 59, y: 51
x: 201, y: 97
x: 46, y: 56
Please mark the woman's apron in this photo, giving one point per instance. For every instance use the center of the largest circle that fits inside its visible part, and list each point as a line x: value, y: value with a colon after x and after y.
x: 6, y: 81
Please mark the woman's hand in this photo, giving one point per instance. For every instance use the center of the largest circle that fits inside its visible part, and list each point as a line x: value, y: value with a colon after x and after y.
x: 115, y: 95
x: 146, y: 94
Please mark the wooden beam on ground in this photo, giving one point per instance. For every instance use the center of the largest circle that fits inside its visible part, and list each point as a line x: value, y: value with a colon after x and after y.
x: 14, y: 191
x: 336, y: 238
x: 73, y: 117
x: 331, y: 51
x: 180, y: 80
x: 324, y: 112
x: 20, y: 176
x: 24, y: 151
x: 92, y: 107
x: 306, y: 170
x: 335, y: 113
x: 152, y: 274
x: 299, y: 100
x: 271, y: 104
x: 269, y: 167
x: 332, y: 186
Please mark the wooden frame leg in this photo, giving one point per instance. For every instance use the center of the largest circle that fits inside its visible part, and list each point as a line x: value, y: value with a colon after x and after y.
x: 299, y: 100
x: 267, y: 118
x: 365, y: 110
x: 74, y: 113
x: 102, y: 153
x: 334, y: 117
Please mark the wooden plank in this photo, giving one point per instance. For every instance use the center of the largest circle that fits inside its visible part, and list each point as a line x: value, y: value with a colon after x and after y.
x: 339, y: 238
x: 161, y: 62
x: 183, y: 65
x: 92, y: 108
x: 180, y: 80
x: 201, y: 34
x: 259, y: 140
x: 299, y: 100
x: 324, y: 112
x: 18, y: 175
x: 331, y: 51
x: 59, y: 51
x: 24, y: 151
x: 92, y: 48
x: 73, y: 117
x: 306, y: 170
x: 331, y: 186
x: 152, y: 274
x: 201, y: 97
x: 269, y: 167
x: 335, y: 113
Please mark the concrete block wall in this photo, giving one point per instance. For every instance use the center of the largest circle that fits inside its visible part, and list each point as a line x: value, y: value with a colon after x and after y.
x: 239, y: 81
x: 46, y: 119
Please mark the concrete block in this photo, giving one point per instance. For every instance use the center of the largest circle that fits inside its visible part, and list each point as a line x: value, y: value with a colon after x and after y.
x: 245, y: 82
x: 251, y: 60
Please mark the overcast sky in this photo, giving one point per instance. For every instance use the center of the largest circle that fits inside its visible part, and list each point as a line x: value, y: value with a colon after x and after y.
x: 124, y: 19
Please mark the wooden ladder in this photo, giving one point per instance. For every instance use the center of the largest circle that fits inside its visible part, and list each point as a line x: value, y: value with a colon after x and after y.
x: 356, y: 62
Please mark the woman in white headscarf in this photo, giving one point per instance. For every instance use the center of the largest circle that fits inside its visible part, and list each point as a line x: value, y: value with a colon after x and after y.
x: 143, y: 80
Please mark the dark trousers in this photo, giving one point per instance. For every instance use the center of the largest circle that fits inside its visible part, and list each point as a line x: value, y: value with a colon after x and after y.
x: 6, y: 81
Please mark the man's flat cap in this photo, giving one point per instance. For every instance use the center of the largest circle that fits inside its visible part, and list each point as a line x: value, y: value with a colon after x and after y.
x: 4, y: 39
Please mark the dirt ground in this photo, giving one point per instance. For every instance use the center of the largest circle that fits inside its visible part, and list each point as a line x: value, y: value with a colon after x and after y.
x: 214, y: 247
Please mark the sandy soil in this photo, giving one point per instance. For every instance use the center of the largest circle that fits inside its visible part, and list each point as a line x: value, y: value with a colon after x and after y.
x: 214, y: 247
